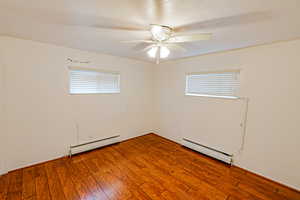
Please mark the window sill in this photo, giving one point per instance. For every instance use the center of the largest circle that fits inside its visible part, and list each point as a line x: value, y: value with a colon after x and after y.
x: 102, y: 93
x: 212, y: 96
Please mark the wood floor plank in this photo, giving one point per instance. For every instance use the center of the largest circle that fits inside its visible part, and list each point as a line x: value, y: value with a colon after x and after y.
x: 152, y: 191
x: 288, y: 193
x: 41, y: 184
x: 114, y: 187
x: 134, y: 189
x: 119, y: 161
x: 28, y: 190
x: 109, y: 180
x: 163, y: 176
x: 143, y: 168
x: 54, y: 183
x: 140, y: 172
x: 85, y: 184
x: 260, y: 192
x: 3, y: 186
x: 15, y: 185
x: 67, y: 184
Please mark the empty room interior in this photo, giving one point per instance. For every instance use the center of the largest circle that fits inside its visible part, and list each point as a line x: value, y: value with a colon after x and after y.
x: 150, y: 100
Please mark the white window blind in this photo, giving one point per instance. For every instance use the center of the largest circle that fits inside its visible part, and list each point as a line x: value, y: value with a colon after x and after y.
x: 93, y: 82
x: 221, y: 84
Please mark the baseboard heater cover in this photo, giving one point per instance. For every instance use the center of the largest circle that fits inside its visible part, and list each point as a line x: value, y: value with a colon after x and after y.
x: 227, y: 158
x: 75, y: 149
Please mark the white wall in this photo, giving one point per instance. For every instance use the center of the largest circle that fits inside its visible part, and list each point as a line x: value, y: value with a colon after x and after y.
x: 2, y: 114
x: 41, y: 116
x: 270, y: 78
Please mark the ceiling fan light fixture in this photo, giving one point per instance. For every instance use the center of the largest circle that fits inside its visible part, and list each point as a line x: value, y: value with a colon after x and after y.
x: 164, y: 52
x: 160, y: 33
x: 156, y: 29
x: 152, y: 52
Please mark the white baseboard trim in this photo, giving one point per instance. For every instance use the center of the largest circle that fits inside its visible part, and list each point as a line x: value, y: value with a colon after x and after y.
x: 207, y: 151
x: 88, y: 146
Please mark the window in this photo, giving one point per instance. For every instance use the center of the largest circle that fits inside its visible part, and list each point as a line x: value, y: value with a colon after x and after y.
x: 215, y: 84
x: 87, y: 81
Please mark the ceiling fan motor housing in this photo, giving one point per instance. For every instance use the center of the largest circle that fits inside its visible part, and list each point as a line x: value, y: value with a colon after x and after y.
x: 160, y: 33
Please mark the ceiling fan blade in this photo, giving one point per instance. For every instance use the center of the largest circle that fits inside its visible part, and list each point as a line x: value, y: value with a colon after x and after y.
x: 143, y: 47
x: 119, y: 28
x: 234, y: 20
x: 140, y: 46
x: 137, y: 41
x: 148, y: 47
x: 190, y: 38
x: 104, y: 23
x: 176, y: 46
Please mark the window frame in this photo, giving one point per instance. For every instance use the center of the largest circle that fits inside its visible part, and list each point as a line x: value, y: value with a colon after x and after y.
x: 74, y: 68
x: 211, y: 95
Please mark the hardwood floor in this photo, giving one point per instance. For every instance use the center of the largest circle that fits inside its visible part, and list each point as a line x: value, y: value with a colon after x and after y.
x: 143, y: 168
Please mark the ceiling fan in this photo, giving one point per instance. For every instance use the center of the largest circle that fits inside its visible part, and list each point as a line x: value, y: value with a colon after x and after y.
x: 163, y: 38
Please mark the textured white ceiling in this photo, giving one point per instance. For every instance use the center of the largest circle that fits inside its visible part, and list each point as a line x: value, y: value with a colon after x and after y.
x: 86, y: 24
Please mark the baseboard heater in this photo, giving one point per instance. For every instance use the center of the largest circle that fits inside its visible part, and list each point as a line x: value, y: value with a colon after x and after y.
x: 79, y: 148
x: 227, y: 158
